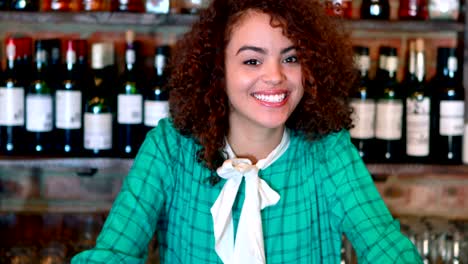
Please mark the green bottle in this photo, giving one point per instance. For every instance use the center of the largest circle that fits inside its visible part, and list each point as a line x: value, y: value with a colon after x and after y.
x: 98, y: 114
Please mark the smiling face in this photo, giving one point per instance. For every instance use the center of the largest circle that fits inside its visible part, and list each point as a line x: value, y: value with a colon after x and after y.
x: 263, y: 74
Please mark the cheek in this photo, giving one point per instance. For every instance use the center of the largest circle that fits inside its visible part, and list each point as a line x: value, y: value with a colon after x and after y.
x: 239, y: 80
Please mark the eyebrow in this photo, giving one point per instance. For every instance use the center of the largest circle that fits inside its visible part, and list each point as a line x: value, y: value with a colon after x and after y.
x: 263, y: 51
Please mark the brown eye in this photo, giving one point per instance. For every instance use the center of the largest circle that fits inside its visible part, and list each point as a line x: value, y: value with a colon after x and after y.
x: 251, y: 62
x: 292, y: 59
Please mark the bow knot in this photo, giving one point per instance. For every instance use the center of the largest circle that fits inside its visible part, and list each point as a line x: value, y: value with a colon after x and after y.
x: 248, y: 247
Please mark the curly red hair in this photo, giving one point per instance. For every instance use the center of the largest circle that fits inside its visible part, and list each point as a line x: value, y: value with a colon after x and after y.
x: 198, y: 102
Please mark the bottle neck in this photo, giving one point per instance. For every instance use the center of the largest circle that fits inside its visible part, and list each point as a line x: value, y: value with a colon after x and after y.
x: 391, y: 67
x: 416, y: 66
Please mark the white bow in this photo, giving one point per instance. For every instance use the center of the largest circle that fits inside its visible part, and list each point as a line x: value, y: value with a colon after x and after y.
x: 249, y: 246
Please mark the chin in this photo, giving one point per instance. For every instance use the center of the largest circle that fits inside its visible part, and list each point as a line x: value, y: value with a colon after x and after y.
x: 273, y: 123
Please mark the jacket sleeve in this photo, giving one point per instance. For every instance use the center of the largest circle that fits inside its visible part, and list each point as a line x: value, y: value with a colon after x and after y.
x: 132, y: 220
x: 358, y: 210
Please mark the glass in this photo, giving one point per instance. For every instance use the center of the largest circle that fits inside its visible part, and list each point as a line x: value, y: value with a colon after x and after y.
x: 444, y: 9
x: 157, y: 6
x: 53, y: 254
x: 21, y: 255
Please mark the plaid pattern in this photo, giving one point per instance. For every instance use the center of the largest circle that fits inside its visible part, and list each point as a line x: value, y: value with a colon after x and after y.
x: 325, y: 191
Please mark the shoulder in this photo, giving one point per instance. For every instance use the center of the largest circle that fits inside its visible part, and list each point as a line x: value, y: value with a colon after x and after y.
x: 167, y: 140
x: 333, y: 144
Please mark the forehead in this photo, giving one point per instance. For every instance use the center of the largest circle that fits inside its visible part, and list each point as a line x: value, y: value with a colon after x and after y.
x: 256, y: 25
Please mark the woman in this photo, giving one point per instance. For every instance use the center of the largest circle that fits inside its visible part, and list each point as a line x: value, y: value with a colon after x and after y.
x: 259, y: 82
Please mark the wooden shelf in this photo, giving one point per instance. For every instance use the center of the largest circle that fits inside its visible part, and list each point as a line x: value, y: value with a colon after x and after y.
x: 417, y: 169
x: 53, y: 206
x: 119, y: 164
x: 101, y: 18
x: 405, y: 26
x: 145, y: 19
x: 60, y: 163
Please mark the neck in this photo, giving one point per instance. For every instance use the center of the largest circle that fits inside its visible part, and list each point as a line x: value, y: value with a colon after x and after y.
x: 254, y: 143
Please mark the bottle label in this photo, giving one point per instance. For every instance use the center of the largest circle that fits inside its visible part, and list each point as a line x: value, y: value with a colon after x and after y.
x: 68, y: 109
x: 11, y: 106
x: 465, y: 145
x: 363, y: 118
x: 98, y: 131
x: 417, y: 127
x: 451, y: 118
x: 39, y: 113
x: 130, y: 109
x: 389, y: 118
x: 155, y: 111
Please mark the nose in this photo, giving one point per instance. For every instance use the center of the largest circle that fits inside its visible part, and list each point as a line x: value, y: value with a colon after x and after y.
x: 273, y: 73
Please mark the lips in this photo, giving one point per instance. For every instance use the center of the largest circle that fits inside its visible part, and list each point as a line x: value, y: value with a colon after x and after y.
x: 276, y: 98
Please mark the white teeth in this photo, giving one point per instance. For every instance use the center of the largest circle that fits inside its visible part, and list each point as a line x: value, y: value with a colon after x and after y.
x: 276, y: 98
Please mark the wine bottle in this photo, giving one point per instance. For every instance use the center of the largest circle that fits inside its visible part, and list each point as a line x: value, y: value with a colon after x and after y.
x: 39, y: 106
x: 54, y: 62
x: 340, y: 8
x: 98, y: 116
x: 412, y: 10
x: 134, y: 6
x: 3, y: 4
x: 418, y: 106
x: 448, y: 109
x: 96, y: 5
x: 156, y: 104
x: 389, y: 143
x: 24, y: 5
x: 129, y: 104
x: 69, y: 102
x: 375, y: 9
x: 381, y: 75
x: 12, y: 90
x: 363, y: 104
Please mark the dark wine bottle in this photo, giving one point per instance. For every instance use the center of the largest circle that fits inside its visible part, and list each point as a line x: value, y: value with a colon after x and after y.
x: 389, y: 143
x: 363, y: 104
x: 12, y: 90
x: 418, y: 106
x: 69, y: 101
x: 129, y: 104
x: 448, y: 109
x: 99, y: 115
x: 54, y: 62
x: 24, y: 5
x: 39, y: 106
x: 381, y: 74
x: 412, y: 10
x: 156, y: 104
x: 4, y: 5
x: 375, y: 9
x: 134, y: 6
